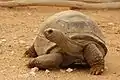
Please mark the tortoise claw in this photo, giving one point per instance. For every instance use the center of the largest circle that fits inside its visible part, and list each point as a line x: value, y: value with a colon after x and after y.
x: 31, y: 52
x: 97, y: 70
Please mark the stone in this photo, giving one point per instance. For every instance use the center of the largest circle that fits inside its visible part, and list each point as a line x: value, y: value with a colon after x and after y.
x: 69, y: 70
x: 47, y: 71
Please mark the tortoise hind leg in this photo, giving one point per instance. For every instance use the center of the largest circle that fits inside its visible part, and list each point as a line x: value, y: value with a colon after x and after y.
x: 46, y: 61
x: 94, y: 58
x: 31, y: 52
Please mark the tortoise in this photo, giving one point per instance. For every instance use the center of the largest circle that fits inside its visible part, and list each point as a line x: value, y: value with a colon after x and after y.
x: 67, y: 38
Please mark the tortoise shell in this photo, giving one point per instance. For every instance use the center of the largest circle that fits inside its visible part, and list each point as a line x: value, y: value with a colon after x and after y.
x: 72, y: 23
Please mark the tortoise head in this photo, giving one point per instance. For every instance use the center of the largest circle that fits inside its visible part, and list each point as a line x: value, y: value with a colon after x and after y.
x: 54, y: 35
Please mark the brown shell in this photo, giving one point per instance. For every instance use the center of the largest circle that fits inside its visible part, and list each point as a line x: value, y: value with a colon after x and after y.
x: 71, y: 23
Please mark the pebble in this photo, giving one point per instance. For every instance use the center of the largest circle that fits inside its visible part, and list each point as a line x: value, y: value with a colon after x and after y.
x: 29, y: 14
x: 27, y: 47
x: 3, y: 40
x: 12, y: 52
x: 106, y: 68
x: 111, y: 24
x: 22, y: 42
x: 69, y: 70
x: 35, y: 69
x: 13, y: 66
x: 47, y: 71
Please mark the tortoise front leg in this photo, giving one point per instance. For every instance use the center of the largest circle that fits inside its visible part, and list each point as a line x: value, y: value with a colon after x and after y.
x: 46, y: 61
x: 31, y: 52
x: 95, y: 59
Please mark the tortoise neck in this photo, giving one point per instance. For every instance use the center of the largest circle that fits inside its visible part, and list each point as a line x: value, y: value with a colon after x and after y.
x: 68, y: 45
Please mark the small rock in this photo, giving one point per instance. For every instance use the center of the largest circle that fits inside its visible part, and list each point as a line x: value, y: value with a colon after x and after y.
x: 106, y: 68
x: 69, y: 70
x: 22, y: 42
x: 61, y: 70
x: 111, y: 24
x: 29, y: 14
x: 3, y: 40
x: 12, y: 52
x: 13, y: 66
x: 35, y: 69
x: 47, y: 71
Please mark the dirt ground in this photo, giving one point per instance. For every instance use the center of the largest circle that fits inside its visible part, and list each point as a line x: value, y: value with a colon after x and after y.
x: 18, y: 29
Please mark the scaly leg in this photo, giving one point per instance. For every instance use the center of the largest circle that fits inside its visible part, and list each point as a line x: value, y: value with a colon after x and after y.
x: 95, y: 59
x: 46, y: 61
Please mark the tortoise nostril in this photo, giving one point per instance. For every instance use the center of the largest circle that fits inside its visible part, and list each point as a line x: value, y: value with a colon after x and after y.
x: 50, y: 31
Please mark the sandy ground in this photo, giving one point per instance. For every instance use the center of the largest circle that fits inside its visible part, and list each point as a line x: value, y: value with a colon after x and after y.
x: 18, y: 28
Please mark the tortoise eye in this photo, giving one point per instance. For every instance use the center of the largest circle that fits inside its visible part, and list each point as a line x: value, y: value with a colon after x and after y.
x: 50, y: 31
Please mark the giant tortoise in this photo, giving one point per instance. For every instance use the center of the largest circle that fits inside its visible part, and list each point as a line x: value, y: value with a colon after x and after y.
x: 67, y: 38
